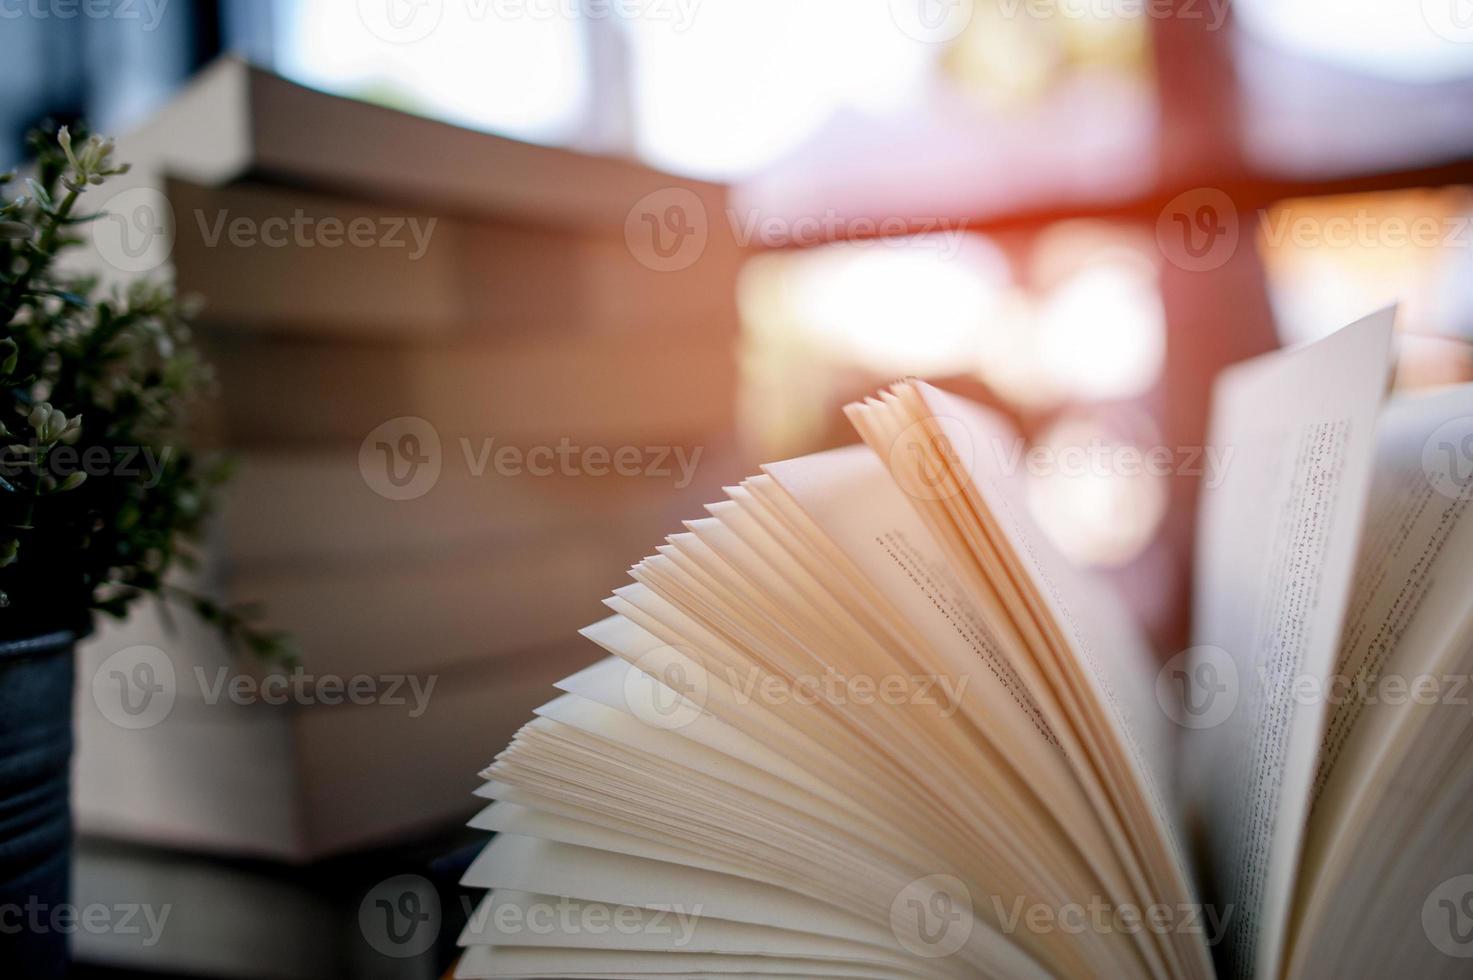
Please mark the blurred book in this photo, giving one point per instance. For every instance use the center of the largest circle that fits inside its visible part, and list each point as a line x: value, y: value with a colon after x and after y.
x: 460, y: 397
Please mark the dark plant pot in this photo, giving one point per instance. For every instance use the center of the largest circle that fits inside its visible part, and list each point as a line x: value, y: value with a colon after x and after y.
x: 35, y: 810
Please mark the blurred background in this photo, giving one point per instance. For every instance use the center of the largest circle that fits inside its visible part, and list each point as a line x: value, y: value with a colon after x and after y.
x: 499, y: 291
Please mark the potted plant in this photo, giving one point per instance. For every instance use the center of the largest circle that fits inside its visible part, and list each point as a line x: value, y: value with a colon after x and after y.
x: 89, y: 379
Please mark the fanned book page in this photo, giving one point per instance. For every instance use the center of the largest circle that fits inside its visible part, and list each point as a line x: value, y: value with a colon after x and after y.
x: 863, y: 720
x: 840, y: 736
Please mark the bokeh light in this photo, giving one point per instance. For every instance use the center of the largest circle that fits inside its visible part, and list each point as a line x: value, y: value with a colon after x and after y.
x: 1091, y: 489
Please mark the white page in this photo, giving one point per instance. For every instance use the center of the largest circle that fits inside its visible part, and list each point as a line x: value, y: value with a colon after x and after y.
x: 524, y: 961
x: 1117, y: 658
x: 1275, y: 555
x: 1127, y: 739
x: 1411, y: 586
x: 1407, y: 625
x: 545, y: 920
x: 545, y: 867
x: 549, y: 868
x: 851, y: 496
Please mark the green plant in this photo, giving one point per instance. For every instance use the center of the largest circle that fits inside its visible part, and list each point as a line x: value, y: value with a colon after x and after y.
x: 100, y: 494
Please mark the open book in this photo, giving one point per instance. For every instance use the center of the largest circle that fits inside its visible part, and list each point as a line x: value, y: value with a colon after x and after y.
x: 864, y: 721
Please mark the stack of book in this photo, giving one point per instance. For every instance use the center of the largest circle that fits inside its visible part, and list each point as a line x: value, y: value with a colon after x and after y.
x: 460, y: 377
